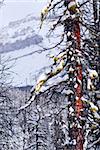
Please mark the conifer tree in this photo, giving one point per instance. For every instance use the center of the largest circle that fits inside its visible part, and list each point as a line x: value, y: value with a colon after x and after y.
x: 76, y: 64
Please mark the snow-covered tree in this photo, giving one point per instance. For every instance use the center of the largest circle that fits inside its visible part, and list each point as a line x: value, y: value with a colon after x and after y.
x: 6, y: 106
x: 75, y: 25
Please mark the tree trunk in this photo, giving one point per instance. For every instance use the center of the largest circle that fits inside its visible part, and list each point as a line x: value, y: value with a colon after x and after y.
x: 77, y: 131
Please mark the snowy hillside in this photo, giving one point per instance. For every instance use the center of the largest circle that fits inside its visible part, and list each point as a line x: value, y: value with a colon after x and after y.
x: 19, y: 35
x: 18, y: 41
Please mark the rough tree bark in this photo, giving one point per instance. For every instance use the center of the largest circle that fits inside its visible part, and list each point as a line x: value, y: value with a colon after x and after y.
x: 77, y: 131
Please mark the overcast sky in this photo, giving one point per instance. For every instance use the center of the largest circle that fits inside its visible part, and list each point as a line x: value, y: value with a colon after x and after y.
x: 16, y: 9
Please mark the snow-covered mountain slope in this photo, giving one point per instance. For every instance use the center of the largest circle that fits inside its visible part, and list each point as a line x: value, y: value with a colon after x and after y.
x: 18, y: 41
x: 19, y: 35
